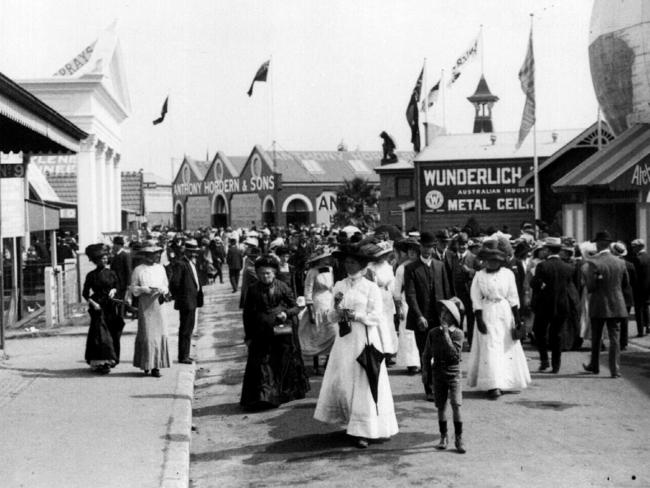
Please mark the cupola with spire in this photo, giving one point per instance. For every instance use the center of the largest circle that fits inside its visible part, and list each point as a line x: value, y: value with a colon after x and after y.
x: 483, y: 100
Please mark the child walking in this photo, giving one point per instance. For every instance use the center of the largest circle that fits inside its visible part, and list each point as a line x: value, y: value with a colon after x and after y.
x: 443, y: 348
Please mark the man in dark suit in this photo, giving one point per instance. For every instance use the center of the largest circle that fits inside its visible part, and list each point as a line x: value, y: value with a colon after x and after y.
x: 121, y: 265
x: 461, y: 276
x: 235, y: 260
x: 606, y: 277
x: 188, y: 296
x: 425, y: 282
x: 552, y: 282
x: 641, y: 291
x: 442, y: 253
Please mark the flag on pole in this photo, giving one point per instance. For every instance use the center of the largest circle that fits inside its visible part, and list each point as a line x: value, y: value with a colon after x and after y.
x: 468, y: 55
x: 261, y: 75
x: 527, y: 79
x: 432, y: 97
x: 163, y: 112
x: 412, y: 116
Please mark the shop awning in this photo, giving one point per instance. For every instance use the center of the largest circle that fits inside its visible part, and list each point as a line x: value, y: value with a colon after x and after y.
x: 42, y: 216
x: 621, y: 165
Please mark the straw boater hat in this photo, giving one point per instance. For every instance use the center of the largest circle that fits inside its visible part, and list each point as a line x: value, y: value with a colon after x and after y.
x: 456, y: 308
x: 191, y: 246
x: 618, y: 249
x: 385, y: 247
x: 553, y: 243
x: 319, y: 253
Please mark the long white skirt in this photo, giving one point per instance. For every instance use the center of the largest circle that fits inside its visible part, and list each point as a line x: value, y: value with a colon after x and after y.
x: 345, y: 398
x: 495, y: 360
x: 407, y: 350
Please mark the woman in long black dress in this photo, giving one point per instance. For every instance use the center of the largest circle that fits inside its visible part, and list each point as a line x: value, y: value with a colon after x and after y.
x: 106, y: 324
x: 275, y: 372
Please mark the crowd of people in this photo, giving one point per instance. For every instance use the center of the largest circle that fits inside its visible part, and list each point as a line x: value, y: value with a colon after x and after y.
x: 355, y: 303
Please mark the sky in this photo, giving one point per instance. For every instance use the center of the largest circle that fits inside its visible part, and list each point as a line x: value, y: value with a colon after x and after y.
x: 340, y: 69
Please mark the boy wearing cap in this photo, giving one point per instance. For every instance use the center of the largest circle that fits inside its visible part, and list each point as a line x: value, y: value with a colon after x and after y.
x: 443, y: 348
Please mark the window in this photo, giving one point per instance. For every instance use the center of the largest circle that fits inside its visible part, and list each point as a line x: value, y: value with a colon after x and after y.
x: 404, y: 187
x: 359, y: 166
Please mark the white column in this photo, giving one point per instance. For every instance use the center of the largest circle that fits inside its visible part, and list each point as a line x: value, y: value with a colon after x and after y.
x: 86, y: 195
x: 117, y: 172
x: 110, y: 191
x: 100, y: 186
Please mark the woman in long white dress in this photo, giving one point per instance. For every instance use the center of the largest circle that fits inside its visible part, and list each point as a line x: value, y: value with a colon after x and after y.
x: 381, y: 272
x: 149, y: 283
x: 345, y: 397
x: 315, y: 332
x: 497, y: 362
x: 407, y: 349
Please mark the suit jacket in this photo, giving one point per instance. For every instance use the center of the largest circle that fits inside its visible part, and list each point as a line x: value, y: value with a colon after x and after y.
x: 447, y: 259
x: 553, y: 282
x: 234, y: 258
x: 187, y: 292
x: 606, y: 277
x: 422, y: 289
x: 122, y: 266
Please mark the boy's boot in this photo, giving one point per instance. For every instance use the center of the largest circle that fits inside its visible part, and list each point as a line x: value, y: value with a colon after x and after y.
x: 442, y: 424
x: 458, y: 430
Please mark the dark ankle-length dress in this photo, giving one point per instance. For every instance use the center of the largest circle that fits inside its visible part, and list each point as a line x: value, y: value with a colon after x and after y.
x: 275, y: 373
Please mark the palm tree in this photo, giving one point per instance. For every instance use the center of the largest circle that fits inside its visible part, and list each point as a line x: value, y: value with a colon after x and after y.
x: 353, y: 200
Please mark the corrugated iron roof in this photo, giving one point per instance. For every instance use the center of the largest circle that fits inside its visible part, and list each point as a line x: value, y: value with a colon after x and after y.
x: 148, y: 177
x: 199, y: 167
x: 460, y: 147
x: 64, y: 185
x: 329, y: 166
x: 603, y: 167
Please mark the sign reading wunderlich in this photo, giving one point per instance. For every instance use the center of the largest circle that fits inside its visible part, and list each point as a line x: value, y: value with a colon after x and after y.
x: 473, y: 187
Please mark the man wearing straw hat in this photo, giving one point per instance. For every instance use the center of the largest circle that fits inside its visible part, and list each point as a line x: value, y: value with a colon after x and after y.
x: 188, y: 296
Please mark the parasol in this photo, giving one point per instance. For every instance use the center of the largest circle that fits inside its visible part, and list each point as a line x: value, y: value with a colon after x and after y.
x: 393, y: 232
x: 370, y: 359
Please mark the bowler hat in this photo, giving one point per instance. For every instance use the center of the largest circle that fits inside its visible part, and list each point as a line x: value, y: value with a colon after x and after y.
x: 427, y: 239
x: 602, y: 236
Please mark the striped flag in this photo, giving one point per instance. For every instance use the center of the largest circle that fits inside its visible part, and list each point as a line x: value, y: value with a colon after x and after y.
x: 527, y: 79
x: 432, y: 97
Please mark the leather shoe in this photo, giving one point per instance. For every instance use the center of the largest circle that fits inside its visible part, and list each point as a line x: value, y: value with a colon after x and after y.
x: 494, y: 394
x: 616, y: 375
x: 186, y: 361
x: 543, y: 366
x: 443, y: 442
x: 362, y: 443
x: 460, y: 447
x: 155, y: 373
x: 588, y: 368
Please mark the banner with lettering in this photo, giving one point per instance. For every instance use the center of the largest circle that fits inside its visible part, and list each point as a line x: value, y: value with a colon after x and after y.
x: 474, y: 187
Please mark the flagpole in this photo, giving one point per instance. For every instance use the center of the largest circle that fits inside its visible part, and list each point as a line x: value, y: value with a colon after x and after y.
x: 535, y: 160
x: 482, y: 47
x: 426, y: 104
x: 443, y: 88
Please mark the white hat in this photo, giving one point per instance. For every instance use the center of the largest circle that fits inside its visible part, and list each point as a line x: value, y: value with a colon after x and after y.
x: 252, y: 241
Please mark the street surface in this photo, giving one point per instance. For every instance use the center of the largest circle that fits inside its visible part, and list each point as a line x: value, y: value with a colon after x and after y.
x: 566, y: 430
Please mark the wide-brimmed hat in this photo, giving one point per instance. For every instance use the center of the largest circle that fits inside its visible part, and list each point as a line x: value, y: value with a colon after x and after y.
x: 618, y: 249
x: 266, y: 261
x: 118, y: 240
x: 602, y: 236
x: 385, y: 247
x: 522, y: 248
x: 491, y: 251
x: 455, y: 307
x: 427, y: 239
x: 406, y: 244
x: 319, y: 253
x: 553, y: 242
x: 357, y: 250
x: 149, y: 247
x: 192, y: 246
x: 96, y: 251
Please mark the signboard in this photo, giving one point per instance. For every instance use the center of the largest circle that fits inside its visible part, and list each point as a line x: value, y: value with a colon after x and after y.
x: 12, y: 195
x: 325, y: 208
x: 55, y: 164
x: 474, y: 187
x: 635, y: 178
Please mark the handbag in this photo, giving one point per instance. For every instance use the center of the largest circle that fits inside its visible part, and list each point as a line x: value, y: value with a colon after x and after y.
x: 518, y: 332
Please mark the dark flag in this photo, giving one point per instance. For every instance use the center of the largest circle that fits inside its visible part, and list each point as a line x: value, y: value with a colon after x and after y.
x: 412, y: 115
x: 527, y: 79
x: 163, y: 112
x: 261, y: 75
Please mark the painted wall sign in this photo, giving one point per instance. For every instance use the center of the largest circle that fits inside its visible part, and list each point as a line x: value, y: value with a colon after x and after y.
x: 473, y: 187
x: 325, y: 207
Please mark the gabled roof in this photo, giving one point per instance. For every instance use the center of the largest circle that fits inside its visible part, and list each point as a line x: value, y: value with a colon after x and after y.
x: 199, y: 167
x: 587, y: 138
x: 148, y: 177
x: 480, y: 146
x: 604, y: 167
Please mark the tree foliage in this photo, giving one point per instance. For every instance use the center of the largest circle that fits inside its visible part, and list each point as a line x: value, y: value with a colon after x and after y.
x: 354, y: 198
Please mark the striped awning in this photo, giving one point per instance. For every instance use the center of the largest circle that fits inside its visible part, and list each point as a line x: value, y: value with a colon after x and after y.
x: 621, y: 165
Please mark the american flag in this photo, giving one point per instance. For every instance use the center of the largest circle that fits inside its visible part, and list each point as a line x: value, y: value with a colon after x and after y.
x: 527, y: 79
